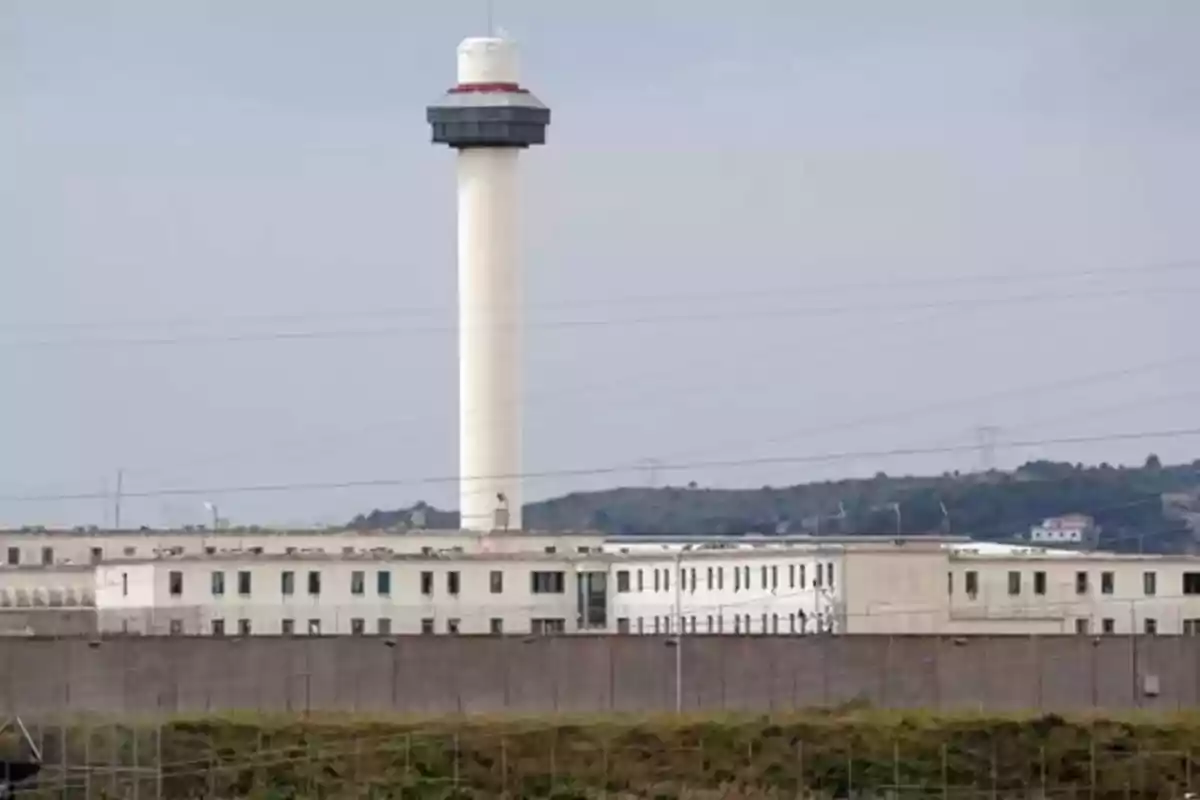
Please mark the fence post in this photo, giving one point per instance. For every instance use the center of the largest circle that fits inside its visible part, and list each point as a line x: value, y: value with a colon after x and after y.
x: 504, y: 766
x: 1092, y: 764
x: 945, y: 773
x: 850, y: 770
x: 800, y: 769
x: 137, y: 767
x: 896, y: 765
x: 158, y: 761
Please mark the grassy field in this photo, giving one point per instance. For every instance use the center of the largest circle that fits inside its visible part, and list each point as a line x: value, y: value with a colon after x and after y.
x: 819, y: 755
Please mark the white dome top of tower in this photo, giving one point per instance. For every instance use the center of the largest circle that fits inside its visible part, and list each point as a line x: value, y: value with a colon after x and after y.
x: 487, y: 59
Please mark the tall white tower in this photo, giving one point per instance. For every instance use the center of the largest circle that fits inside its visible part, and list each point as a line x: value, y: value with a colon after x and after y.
x: 489, y: 119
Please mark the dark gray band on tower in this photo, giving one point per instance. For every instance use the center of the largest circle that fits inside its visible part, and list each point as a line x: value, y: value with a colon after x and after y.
x: 488, y: 119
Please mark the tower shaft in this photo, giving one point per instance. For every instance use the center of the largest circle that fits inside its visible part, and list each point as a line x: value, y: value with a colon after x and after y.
x: 489, y: 339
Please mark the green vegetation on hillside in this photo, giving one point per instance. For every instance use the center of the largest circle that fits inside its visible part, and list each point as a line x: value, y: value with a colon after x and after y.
x: 1128, y: 504
x: 819, y: 755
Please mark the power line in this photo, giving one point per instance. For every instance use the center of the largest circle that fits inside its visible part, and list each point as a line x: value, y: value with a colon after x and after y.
x: 582, y: 324
x: 1176, y: 266
x: 606, y: 470
x: 945, y: 405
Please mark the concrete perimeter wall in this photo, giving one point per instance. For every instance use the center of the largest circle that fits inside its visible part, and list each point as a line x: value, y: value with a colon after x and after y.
x: 577, y: 674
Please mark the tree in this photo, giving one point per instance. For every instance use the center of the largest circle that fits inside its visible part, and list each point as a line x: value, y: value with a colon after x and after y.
x: 1152, y: 462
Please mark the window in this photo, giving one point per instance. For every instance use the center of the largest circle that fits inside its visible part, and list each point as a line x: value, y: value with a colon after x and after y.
x: 622, y: 624
x: 693, y: 589
x: 803, y: 578
x: 746, y: 576
x: 666, y: 580
x: 1081, y: 625
x: 1191, y: 583
x: 124, y: 584
x: 1107, y: 582
x: 765, y: 584
x: 314, y: 627
x: 710, y: 578
x: 720, y: 579
x: 1108, y: 625
x: 950, y: 583
x: 218, y: 627
x: 358, y: 626
x: 623, y: 580
x: 97, y: 555
x: 640, y: 583
x: 550, y: 582
x: 1191, y: 627
x: 737, y: 579
x: 452, y: 582
x: 1150, y: 583
x: 175, y: 583
x: 818, y: 573
x: 640, y: 626
x: 548, y: 626
x: 829, y: 575
x: 130, y: 552
x: 243, y: 627
x: 657, y: 624
x: 496, y: 626
x: 972, y: 583
x: 384, y: 625
x: 314, y: 582
x: 737, y: 623
x: 244, y: 583
x: 14, y: 556
x: 1150, y: 625
x: 452, y: 625
x: 287, y: 582
x: 1081, y: 583
x: 287, y: 626
x: 218, y: 584
x: 1039, y: 582
x: 427, y: 625
x: 358, y: 582
x: 47, y: 556
x: 427, y: 585
x: 383, y: 583
x: 496, y: 581
x: 774, y: 577
x: 708, y: 621
x: 1014, y: 582
x: 791, y: 576
x: 656, y: 580
x: 176, y: 627
x: 774, y: 623
x: 764, y: 623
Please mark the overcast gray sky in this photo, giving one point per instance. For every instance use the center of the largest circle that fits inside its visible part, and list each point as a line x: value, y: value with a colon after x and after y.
x: 793, y: 228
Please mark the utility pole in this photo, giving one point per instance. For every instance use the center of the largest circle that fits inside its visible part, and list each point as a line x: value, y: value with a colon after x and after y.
x: 985, y: 436
x: 117, y: 501
x: 652, y: 466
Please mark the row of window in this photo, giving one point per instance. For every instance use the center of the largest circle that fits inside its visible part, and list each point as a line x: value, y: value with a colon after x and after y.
x: 1108, y: 583
x: 548, y: 582
x: 715, y: 578
x: 1191, y: 627
x: 383, y: 626
x: 798, y: 623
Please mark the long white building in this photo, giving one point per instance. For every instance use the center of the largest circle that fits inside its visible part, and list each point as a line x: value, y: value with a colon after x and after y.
x: 439, y: 583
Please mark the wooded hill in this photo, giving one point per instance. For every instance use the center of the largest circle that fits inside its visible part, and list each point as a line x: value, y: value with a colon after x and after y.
x: 1151, y: 508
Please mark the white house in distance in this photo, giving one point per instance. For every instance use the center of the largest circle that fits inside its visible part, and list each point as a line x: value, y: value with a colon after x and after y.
x: 1067, y: 529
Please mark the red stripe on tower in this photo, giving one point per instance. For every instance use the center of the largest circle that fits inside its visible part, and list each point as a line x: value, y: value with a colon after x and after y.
x: 488, y: 88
